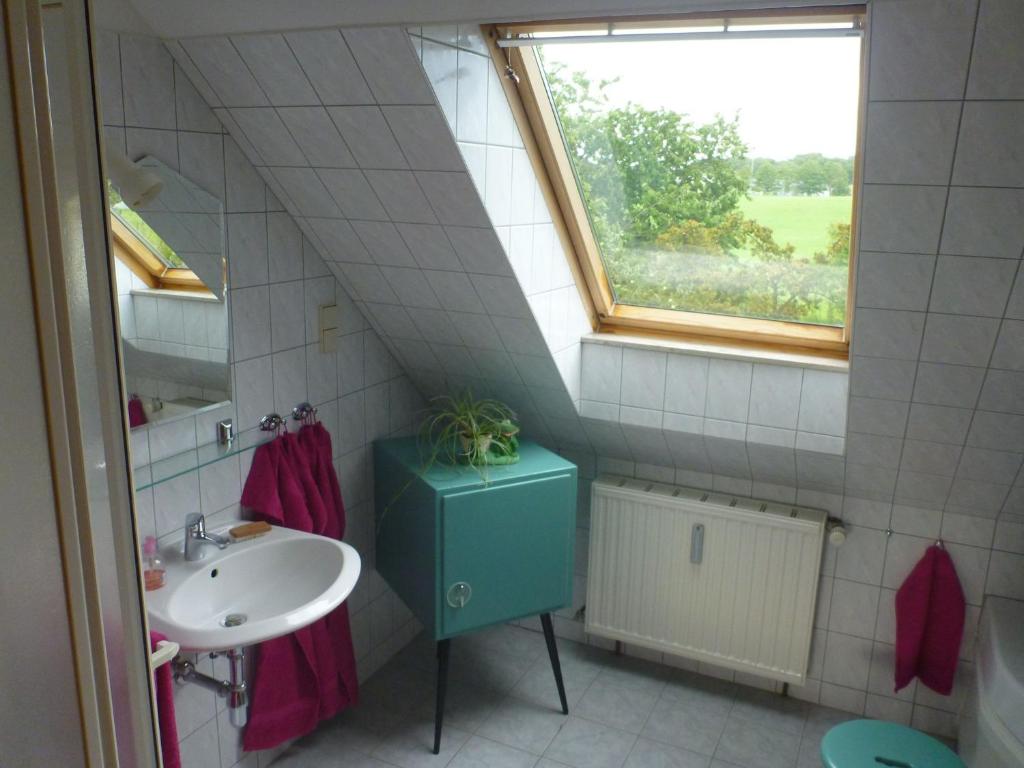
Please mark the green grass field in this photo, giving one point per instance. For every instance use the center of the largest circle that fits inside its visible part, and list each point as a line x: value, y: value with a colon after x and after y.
x: 802, y: 221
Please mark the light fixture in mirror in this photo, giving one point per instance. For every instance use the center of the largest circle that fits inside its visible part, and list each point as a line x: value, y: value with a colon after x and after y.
x: 172, y: 288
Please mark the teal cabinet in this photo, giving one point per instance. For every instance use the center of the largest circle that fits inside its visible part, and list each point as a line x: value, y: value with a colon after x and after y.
x: 509, y: 540
x: 465, y: 553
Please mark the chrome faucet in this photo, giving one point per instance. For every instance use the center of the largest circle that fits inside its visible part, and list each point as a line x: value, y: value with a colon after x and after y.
x: 196, y: 536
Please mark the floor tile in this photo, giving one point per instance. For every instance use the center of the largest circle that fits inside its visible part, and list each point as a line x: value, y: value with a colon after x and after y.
x: 466, y: 706
x: 644, y: 676
x: 744, y: 743
x: 523, y: 725
x: 538, y: 684
x: 770, y: 710
x: 502, y: 711
x: 624, y: 708
x: 583, y: 744
x: 653, y: 754
x: 692, y: 728
x: 483, y: 753
x: 411, y: 745
x: 707, y: 693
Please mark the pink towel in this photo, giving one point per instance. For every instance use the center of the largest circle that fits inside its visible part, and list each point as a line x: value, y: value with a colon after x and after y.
x: 136, y: 413
x: 317, y: 442
x: 930, y: 609
x: 309, y: 675
x: 165, y: 708
x: 285, y: 697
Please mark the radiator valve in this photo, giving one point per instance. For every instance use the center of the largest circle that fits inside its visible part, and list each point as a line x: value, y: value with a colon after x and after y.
x: 836, y: 531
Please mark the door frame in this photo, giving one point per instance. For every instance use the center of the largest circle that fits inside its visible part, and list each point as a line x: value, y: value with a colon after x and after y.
x: 112, y: 643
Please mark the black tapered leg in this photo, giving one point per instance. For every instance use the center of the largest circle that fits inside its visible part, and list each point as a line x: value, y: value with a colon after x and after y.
x: 443, y: 649
x: 556, y: 667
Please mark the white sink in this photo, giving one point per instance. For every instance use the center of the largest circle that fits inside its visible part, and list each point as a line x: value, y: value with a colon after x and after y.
x: 272, y: 585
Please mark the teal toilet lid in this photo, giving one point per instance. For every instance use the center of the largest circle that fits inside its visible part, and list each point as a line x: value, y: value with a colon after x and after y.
x: 877, y: 744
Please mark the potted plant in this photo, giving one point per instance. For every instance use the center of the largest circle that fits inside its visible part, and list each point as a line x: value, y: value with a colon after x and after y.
x: 463, y: 430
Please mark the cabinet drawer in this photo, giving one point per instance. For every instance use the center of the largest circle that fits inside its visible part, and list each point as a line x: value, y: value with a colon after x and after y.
x: 511, y: 546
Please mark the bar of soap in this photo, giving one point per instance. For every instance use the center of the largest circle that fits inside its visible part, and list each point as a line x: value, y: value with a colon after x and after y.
x: 249, y: 531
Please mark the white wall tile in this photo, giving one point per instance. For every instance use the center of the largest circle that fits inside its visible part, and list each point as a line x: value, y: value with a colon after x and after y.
x: 329, y: 64
x: 972, y: 286
x: 386, y: 59
x: 368, y: 137
x: 728, y: 394
x: 984, y: 222
x: 894, y: 280
x: 938, y: 423
x: 317, y: 135
x: 954, y: 385
x: 917, y: 228
x: 920, y: 48
x: 602, y: 372
x: 225, y: 72
x: 775, y: 396
x: 1009, y: 351
x: 401, y: 196
x: 888, y: 333
x: 988, y: 150
x: 278, y: 73
x: 910, y: 142
x: 440, y: 62
x: 959, y: 340
x: 996, y: 69
x: 453, y: 198
x: 425, y: 138
x: 148, y: 81
x: 643, y: 379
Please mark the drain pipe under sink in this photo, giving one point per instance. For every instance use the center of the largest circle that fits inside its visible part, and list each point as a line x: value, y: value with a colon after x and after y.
x: 233, y: 688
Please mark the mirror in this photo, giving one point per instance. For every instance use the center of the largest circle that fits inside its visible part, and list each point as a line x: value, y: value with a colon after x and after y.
x: 168, y: 237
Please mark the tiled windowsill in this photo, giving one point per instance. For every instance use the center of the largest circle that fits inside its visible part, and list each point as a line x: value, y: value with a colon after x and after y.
x: 695, y: 394
x: 726, y: 351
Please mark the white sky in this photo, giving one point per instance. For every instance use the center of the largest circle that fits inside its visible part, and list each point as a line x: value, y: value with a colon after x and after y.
x: 793, y: 96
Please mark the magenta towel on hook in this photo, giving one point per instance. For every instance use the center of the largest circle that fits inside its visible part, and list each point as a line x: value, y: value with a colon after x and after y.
x: 930, y: 609
x: 309, y: 675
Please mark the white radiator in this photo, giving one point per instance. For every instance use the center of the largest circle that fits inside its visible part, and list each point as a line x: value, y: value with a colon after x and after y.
x: 716, y: 578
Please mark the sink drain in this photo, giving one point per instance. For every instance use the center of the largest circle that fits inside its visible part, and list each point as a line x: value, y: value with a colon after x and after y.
x: 233, y: 620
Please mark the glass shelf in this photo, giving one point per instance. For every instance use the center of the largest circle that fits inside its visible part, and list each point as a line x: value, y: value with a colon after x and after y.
x: 179, y: 464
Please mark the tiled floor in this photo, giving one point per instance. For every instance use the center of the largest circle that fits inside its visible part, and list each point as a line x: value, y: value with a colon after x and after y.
x: 503, y: 713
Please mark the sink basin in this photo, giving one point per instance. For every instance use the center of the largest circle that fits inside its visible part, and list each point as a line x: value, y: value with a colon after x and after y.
x: 252, y: 591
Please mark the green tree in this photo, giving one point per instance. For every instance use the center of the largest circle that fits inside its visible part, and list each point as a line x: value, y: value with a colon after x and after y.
x: 642, y: 171
x: 809, y: 174
x: 838, y: 251
x: 837, y: 177
x: 767, y: 177
x: 663, y: 192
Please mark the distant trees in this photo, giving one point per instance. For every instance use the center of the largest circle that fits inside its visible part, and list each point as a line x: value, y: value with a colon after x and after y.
x: 810, y: 174
x: 663, y: 195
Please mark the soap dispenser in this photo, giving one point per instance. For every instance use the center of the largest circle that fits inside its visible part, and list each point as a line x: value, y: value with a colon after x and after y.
x: 153, y: 568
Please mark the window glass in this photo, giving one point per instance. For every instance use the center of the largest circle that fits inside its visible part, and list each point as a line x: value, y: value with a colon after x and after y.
x: 717, y: 174
x: 146, y: 234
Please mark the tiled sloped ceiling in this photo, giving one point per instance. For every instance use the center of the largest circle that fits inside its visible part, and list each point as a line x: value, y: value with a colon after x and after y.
x: 345, y: 129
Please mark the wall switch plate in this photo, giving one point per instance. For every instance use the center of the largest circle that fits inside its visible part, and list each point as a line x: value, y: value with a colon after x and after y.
x: 329, y: 340
x: 329, y: 328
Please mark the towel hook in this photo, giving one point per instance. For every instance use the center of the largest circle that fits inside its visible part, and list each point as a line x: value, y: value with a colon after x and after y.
x: 273, y: 423
x: 305, y: 413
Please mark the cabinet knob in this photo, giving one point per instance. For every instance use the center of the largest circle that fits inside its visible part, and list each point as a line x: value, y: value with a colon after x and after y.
x: 459, y: 594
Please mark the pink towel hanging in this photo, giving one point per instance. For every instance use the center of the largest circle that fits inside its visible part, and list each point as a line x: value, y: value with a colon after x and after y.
x: 309, y: 675
x: 165, y: 709
x: 930, y: 609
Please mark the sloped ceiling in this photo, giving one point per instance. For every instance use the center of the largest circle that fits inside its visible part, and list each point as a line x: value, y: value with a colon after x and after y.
x: 190, y: 18
x: 345, y: 128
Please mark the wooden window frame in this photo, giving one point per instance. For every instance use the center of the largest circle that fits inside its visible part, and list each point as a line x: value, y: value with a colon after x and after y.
x: 542, y: 138
x: 136, y: 255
